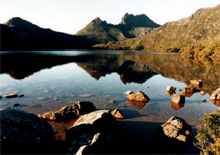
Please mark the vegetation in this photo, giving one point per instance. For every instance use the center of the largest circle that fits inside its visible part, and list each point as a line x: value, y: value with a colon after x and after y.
x: 209, y: 134
x: 203, y: 52
x: 201, y: 28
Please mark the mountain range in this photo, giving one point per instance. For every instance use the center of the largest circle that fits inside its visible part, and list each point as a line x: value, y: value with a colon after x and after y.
x: 132, y: 33
x: 131, y: 26
x: 202, y: 27
x: 19, y: 34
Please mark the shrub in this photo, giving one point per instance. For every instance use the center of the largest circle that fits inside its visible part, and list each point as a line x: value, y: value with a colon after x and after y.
x: 208, y: 134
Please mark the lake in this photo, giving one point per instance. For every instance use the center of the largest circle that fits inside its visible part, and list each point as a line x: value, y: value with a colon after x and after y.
x: 50, y: 80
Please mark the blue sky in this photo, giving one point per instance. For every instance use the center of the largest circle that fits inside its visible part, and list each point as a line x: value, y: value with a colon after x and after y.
x: 70, y: 16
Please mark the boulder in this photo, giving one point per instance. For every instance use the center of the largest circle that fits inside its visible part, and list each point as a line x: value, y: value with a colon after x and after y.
x: 128, y: 92
x: 174, y: 135
x: 196, y: 83
x: 178, y: 99
x: 23, y: 132
x: 70, y: 112
x: 91, y: 132
x: 117, y: 114
x: 138, y: 96
x: 98, y: 145
x: 171, y: 89
x: 101, y: 121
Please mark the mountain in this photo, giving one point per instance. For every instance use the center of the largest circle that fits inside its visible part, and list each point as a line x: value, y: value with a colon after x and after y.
x: 130, y: 27
x: 19, y: 34
x: 202, y: 27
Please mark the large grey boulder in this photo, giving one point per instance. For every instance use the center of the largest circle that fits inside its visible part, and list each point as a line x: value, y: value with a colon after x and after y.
x: 69, y: 112
x: 174, y: 135
x: 23, y: 132
x: 100, y: 124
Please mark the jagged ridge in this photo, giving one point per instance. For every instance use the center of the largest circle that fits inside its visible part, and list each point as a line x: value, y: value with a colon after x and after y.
x: 130, y: 27
x: 202, y: 27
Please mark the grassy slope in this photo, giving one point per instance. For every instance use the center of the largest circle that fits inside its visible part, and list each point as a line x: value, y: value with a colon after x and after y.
x: 203, y: 27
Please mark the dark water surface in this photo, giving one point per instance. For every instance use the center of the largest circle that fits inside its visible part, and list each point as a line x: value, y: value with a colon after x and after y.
x: 50, y: 80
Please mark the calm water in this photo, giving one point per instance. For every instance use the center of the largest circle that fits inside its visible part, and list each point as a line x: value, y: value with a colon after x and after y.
x: 50, y: 80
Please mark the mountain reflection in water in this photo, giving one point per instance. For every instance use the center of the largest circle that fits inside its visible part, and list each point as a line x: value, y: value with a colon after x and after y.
x: 137, y: 67
x: 50, y: 80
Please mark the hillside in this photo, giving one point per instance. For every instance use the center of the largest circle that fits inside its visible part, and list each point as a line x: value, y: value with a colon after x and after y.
x: 130, y: 27
x: 202, y: 27
x: 19, y: 34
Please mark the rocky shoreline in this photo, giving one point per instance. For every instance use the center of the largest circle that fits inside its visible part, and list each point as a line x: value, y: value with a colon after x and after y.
x: 92, y: 131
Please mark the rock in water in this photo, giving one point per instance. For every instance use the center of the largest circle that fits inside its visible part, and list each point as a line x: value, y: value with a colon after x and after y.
x: 128, y: 92
x: 70, y: 112
x: 171, y: 89
x: 11, y: 95
x: 174, y: 135
x: 196, y: 83
x: 117, y: 114
x: 138, y: 96
x: 22, y: 132
x: 178, y: 99
x: 215, y: 95
x: 188, y: 91
x: 91, y: 132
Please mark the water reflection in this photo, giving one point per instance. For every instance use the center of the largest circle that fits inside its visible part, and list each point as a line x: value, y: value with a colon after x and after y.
x: 137, y: 104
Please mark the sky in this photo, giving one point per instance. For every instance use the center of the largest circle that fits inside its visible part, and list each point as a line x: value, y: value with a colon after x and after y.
x: 70, y: 16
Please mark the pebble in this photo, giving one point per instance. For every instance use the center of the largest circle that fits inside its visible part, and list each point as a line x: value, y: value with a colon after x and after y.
x: 147, y: 87
x: 21, y: 95
x: 204, y: 100
x: 16, y: 104
x: 112, y: 101
x: 85, y: 95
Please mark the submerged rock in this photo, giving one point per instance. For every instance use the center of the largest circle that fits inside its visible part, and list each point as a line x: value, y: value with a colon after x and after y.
x: 16, y: 104
x: 11, y: 95
x: 22, y: 132
x: 70, y: 112
x: 0, y: 97
x: 174, y: 135
x: 138, y: 96
x: 128, y: 92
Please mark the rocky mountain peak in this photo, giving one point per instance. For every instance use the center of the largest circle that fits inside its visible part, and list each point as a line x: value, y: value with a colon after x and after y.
x: 141, y: 20
x: 97, y: 21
